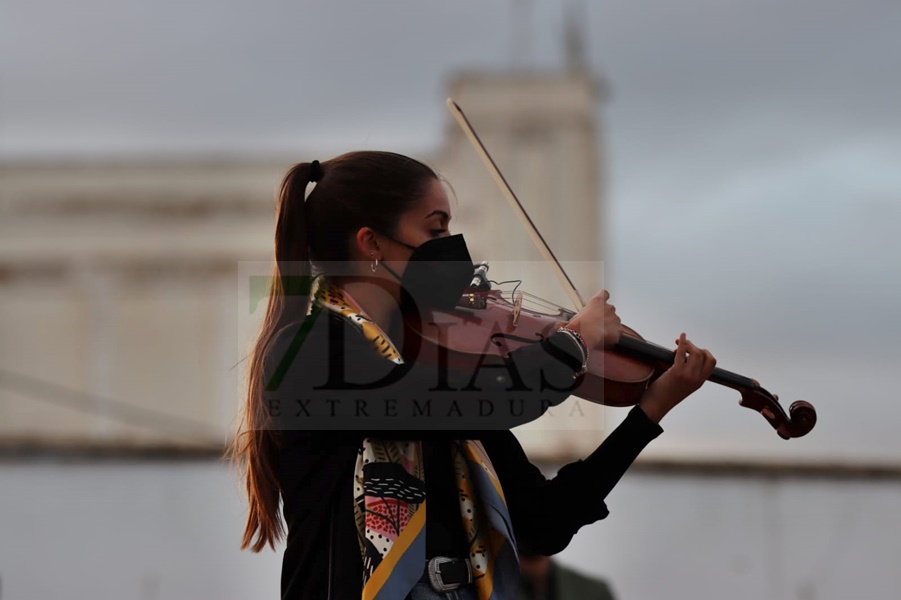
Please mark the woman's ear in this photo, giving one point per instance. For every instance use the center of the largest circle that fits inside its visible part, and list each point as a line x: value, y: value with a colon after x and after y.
x: 367, y: 245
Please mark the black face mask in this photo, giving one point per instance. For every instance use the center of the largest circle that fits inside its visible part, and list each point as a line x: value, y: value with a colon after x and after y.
x: 437, y: 273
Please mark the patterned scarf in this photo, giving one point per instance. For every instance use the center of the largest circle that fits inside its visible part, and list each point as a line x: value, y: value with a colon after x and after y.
x: 390, y: 500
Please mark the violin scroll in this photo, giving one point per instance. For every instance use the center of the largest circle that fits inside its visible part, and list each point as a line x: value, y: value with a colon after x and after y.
x: 801, y: 417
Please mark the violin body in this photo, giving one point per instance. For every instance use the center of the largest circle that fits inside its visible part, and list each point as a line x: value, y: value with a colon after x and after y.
x: 486, y: 327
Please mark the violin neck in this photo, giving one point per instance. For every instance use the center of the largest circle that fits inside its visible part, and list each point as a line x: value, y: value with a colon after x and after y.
x: 650, y: 352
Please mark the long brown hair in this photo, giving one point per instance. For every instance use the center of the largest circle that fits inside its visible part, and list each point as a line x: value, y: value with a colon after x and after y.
x: 357, y: 189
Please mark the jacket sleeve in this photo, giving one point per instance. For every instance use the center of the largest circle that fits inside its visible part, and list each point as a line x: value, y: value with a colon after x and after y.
x: 546, y: 513
x: 329, y: 377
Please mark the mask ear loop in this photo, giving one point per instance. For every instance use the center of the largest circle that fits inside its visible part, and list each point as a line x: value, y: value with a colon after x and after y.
x: 393, y: 274
x: 375, y: 264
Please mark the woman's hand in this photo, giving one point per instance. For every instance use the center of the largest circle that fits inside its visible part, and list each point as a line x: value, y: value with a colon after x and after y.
x: 691, y: 369
x: 597, y: 322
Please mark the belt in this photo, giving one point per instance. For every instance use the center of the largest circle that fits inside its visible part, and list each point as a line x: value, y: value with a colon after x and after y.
x: 446, y: 574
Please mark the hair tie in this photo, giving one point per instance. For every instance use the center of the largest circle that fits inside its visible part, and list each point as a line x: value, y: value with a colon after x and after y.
x: 315, y: 171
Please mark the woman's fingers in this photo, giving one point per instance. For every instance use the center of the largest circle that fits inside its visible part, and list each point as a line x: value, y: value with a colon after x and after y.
x: 695, y: 363
x: 710, y: 363
x: 681, y: 350
x: 707, y: 362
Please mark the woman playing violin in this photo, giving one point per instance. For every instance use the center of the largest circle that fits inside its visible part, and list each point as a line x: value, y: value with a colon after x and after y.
x: 399, y: 478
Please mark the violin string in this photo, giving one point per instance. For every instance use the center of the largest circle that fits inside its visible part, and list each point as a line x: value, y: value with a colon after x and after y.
x: 529, y: 300
x: 518, y: 283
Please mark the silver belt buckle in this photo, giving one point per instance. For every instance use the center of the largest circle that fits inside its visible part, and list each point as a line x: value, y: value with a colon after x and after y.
x: 435, y: 575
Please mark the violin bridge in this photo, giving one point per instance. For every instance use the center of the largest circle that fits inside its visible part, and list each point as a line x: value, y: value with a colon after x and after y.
x: 517, y: 307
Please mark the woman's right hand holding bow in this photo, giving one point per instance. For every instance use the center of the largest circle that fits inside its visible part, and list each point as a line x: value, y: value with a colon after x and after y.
x: 597, y: 322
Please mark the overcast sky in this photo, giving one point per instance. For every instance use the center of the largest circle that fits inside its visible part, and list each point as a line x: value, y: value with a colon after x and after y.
x: 753, y: 154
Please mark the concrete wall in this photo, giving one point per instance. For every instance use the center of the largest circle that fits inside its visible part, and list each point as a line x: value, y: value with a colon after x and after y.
x: 169, y: 530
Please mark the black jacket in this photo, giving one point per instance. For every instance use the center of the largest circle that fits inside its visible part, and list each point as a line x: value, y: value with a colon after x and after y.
x: 323, y: 415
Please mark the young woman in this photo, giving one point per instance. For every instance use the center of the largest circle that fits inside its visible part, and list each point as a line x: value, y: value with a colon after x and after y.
x: 399, y: 478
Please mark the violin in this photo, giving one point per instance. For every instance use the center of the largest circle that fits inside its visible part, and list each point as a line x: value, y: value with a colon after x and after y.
x: 616, y: 376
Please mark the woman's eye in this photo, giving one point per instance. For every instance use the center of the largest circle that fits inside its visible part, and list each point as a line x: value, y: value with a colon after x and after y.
x: 438, y: 232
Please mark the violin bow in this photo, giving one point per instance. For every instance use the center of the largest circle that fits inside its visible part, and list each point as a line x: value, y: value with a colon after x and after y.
x: 801, y: 416
x: 533, y: 232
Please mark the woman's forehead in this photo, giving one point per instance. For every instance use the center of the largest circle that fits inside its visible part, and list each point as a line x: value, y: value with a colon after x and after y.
x: 434, y: 201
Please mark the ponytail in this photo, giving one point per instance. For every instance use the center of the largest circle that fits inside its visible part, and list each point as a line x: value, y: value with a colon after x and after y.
x: 254, y: 448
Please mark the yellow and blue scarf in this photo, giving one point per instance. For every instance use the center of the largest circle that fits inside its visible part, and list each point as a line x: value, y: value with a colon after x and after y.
x: 390, y: 500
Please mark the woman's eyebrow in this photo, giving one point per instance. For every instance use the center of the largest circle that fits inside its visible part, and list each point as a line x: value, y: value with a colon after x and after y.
x: 443, y: 214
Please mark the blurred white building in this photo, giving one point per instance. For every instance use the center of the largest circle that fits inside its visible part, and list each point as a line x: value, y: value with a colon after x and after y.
x: 122, y: 282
